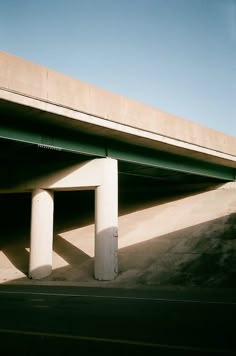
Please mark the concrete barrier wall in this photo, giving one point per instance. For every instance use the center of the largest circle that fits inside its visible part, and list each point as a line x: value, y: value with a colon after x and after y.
x: 45, y: 84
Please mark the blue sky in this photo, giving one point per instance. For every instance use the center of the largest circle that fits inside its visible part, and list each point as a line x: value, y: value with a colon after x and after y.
x: 175, y: 55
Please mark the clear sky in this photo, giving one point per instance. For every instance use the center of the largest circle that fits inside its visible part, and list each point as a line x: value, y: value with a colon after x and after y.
x: 176, y: 55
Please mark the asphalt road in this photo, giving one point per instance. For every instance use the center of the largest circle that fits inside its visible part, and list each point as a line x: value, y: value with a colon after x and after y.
x: 41, y: 320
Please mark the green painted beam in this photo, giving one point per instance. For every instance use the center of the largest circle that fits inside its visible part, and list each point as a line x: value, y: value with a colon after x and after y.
x: 164, y: 160
x: 64, y: 140
x: 55, y: 140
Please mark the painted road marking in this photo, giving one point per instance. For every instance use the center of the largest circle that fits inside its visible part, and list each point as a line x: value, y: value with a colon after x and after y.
x: 39, y: 300
x: 173, y: 300
x: 41, y: 306
x: 117, y: 341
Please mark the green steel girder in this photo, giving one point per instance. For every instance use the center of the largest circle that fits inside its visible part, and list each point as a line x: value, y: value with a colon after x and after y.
x: 173, y: 162
x: 56, y: 140
x: 69, y: 141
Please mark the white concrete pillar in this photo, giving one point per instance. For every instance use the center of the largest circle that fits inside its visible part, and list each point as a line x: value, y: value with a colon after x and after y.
x: 106, y: 224
x: 41, y: 234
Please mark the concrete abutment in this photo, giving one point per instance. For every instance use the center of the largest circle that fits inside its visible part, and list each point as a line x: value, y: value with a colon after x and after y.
x: 163, y: 238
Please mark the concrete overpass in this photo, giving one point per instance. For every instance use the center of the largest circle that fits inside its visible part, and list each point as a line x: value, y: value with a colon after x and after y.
x: 58, y: 133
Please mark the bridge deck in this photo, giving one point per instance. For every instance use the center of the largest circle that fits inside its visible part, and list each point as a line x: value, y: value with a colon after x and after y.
x: 41, y: 95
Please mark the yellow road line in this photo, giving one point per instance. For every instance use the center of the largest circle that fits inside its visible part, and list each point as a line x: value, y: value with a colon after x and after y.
x: 116, y: 341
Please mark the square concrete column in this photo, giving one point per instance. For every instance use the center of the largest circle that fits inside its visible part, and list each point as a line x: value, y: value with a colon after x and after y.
x: 106, y: 224
x: 41, y: 234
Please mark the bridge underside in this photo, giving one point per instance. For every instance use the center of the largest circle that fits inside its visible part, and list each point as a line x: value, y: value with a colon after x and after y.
x: 32, y: 147
x: 19, y: 160
x: 29, y: 135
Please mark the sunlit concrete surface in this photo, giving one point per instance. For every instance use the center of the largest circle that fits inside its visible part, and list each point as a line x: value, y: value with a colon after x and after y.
x: 94, y: 151
x: 85, y: 107
x: 41, y: 233
x: 8, y: 271
x: 157, y: 245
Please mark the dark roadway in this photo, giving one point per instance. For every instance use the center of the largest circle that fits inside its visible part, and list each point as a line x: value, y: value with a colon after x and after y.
x: 46, y: 320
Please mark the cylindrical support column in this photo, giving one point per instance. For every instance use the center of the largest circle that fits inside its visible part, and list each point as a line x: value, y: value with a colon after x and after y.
x: 41, y: 234
x: 106, y: 224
